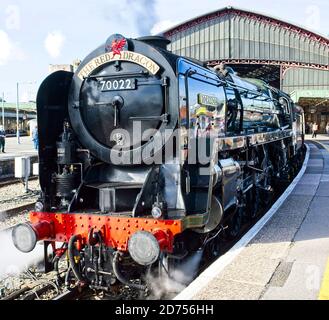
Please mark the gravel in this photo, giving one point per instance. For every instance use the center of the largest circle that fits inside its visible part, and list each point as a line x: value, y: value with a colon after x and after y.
x: 13, y: 196
x: 10, y: 221
x: 33, y: 281
x: 17, y: 189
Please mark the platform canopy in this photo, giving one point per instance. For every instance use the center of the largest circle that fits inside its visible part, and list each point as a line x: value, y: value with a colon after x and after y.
x: 316, y: 95
x: 286, y: 55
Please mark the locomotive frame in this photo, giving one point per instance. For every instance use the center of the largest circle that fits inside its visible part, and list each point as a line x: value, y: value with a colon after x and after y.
x: 120, y: 220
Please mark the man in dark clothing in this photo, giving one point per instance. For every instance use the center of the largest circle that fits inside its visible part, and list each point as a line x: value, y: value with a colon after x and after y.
x: 2, y: 139
x: 35, y: 138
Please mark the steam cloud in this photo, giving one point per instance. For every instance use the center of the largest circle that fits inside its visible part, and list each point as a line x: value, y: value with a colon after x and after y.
x: 178, y: 280
x: 54, y: 43
x: 144, y: 15
x: 134, y: 17
x: 12, y: 261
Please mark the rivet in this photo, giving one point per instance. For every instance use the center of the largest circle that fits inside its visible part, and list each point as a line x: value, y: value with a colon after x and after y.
x: 82, y: 226
x: 123, y: 228
x: 128, y: 225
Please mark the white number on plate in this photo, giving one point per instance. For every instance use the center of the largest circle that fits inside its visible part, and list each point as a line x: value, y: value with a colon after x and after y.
x: 116, y: 84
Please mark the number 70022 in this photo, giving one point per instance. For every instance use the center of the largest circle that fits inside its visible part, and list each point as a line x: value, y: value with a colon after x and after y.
x: 117, y: 84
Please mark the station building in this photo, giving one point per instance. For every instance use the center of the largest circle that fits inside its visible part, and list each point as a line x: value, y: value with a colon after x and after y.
x: 287, y: 56
x: 27, y: 112
x: 64, y: 67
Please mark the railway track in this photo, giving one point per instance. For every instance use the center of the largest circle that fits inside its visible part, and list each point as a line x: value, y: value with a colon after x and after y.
x: 11, y: 181
x: 16, y: 210
x: 14, y: 201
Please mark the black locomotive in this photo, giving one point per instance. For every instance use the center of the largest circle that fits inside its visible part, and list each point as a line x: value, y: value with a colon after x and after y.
x: 146, y: 156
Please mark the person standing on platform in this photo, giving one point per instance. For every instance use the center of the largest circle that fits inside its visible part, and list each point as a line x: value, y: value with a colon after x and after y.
x: 2, y: 139
x: 314, y: 129
x: 310, y: 128
x: 327, y: 128
x: 35, y: 138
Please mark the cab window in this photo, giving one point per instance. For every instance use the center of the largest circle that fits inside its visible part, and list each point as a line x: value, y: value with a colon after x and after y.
x: 233, y: 112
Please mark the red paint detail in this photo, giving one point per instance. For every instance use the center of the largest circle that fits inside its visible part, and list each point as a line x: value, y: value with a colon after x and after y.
x: 164, y: 238
x: 59, y: 252
x: 79, y: 244
x: 43, y: 229
x: 117, y: 46
x: 283, y: 64
x: 115, y: 233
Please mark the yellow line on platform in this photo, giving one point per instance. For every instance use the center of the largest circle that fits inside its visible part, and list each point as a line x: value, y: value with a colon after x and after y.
x: 324, y: 291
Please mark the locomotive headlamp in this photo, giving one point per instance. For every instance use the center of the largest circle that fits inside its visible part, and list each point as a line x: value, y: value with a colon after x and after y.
x: 144, y: 248
x: 24, y: 237
x: 38, y: 206
x: 156, y: 212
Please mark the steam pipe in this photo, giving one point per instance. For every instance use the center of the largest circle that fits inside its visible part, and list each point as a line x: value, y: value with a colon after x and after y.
x: 67, y: 275
x: 120, y: 277
x: 73, y: 265
x: 213, y: 237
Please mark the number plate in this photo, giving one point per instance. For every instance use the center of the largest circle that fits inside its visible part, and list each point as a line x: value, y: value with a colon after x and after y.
x: 117, y: 84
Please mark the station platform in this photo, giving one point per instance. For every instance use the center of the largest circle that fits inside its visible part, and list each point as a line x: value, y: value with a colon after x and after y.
x: 13, y: 150
x: 285, y: 256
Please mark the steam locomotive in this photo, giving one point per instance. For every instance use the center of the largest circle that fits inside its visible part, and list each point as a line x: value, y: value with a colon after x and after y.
x: 145, y: 157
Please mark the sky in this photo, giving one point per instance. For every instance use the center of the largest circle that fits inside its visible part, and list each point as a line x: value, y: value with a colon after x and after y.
x: 36, y: 33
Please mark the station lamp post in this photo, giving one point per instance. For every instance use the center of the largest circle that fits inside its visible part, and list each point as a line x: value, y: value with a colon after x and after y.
x: 17, y: 113
x: 3, y: 110
x: 17, y: 109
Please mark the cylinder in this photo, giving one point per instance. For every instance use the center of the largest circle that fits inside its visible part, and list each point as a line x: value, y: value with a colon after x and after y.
x: 66, y: 183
